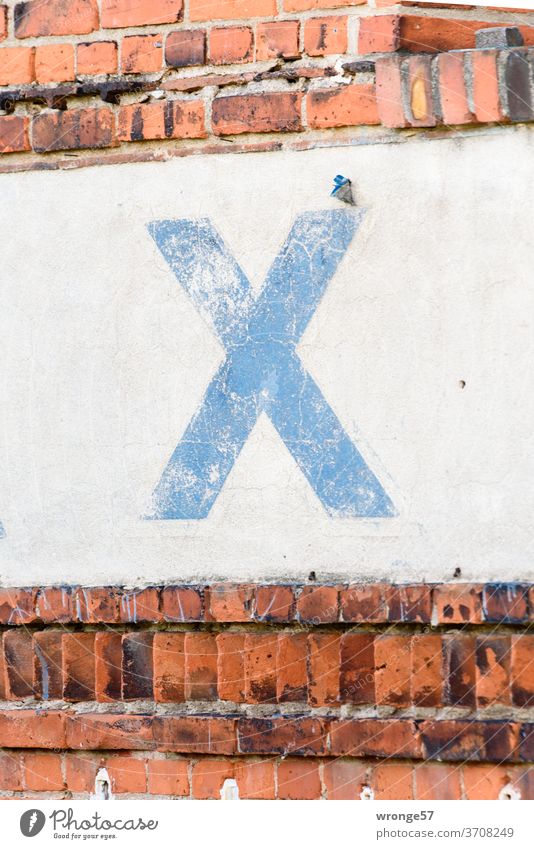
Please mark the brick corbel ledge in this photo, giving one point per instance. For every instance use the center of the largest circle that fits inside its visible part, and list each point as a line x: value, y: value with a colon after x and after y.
x: 294, y: 690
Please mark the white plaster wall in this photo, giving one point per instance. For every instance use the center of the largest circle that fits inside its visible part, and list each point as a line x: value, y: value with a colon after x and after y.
x: 104, y: 360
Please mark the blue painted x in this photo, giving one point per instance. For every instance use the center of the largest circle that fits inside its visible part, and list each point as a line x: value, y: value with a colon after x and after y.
x: 262, y: 372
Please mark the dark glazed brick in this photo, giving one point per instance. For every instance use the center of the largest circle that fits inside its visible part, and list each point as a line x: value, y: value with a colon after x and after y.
x: 108, y: 666
x: 458, y: 740
x: 505, y: 603
x: 185, y: 48
x: 460, y: 670
x: 287, y: 735
x: 18, y: 654
x: 137, y: 666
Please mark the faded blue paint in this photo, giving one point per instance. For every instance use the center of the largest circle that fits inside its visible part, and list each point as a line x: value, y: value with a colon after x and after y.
x: 262, y: 371
x: 2, y: 531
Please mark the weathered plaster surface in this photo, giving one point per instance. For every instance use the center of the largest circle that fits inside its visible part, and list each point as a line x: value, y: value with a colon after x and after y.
x: 105, y: 361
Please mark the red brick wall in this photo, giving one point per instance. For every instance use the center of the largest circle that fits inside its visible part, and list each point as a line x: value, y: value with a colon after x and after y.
x: 153, y: 79
x: 295, y: 691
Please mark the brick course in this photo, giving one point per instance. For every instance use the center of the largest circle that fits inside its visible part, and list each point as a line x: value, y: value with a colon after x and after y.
x: 285, y: 79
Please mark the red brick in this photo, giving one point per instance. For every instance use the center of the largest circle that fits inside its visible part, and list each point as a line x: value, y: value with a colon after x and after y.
x: 409, y: 603
x: 141, y: 605
x: 79, y: 667
x: 80, y: 772
x: 389, y: 95
x: 382, y: 738
x: 484, y: 781
x: 182, y: 604
x: 505, y: 603
x: 108, y: 666
x: 342, y: 107
x: 209, y: 776
x: 17, y: 606
x: 200, y: 666
x: 486, y: 86
x: 379, y: 34
x: 452, y: 89
x: 124, y: 13
x: 30, y: 729
x: 169, y: 777
x: 277, y: 39
x: 393, y: 670
x: 527, y: 741
x: 324, y: 36
x: 54, y: 63
x: 3, y: 674
x: 141, y: 54
x: 231, y: 602
x: 357, y: 679
x: 231, y: 666
x: 318, y: 605
x: 10, y: 771
x: 437, y: 781
x: 185, y: 48
x: 53, y: 605
x: 287, y: 735
x: 344, y: 780
x: 305, y: 5
x: 255, y: 779
x: 71, y: 130
x: 298, y: 779
x: 522, y: 781
x: 458, y: 740
x: 257, y: 113
x: 522, y: 671
x: 127, y: 774
x: 291, y: 667
x: 48, y: 664
x: 108, y: 731
x: 275, y: 604
x: 43, y: 772
x: 365, y: 602
x: 137, y: 665
x: 460, y: 669
x: 17, y: 65
x: 438, y: 35
x: 493, y: 671
x: 198, y: 734
x: 96, y: 604
x: 419, y: 84
x: 260, y: 668
x: 392, y: 781
x: 427, y: 670
x: 208, y: 10
x: 229, y: 45
x: 97, y: 57
x: 14, y: 137
x: 169, y: 667
x: 323, y: 668
x: 457, y: 604
x: 35, y: 18
x: 18, y: 653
